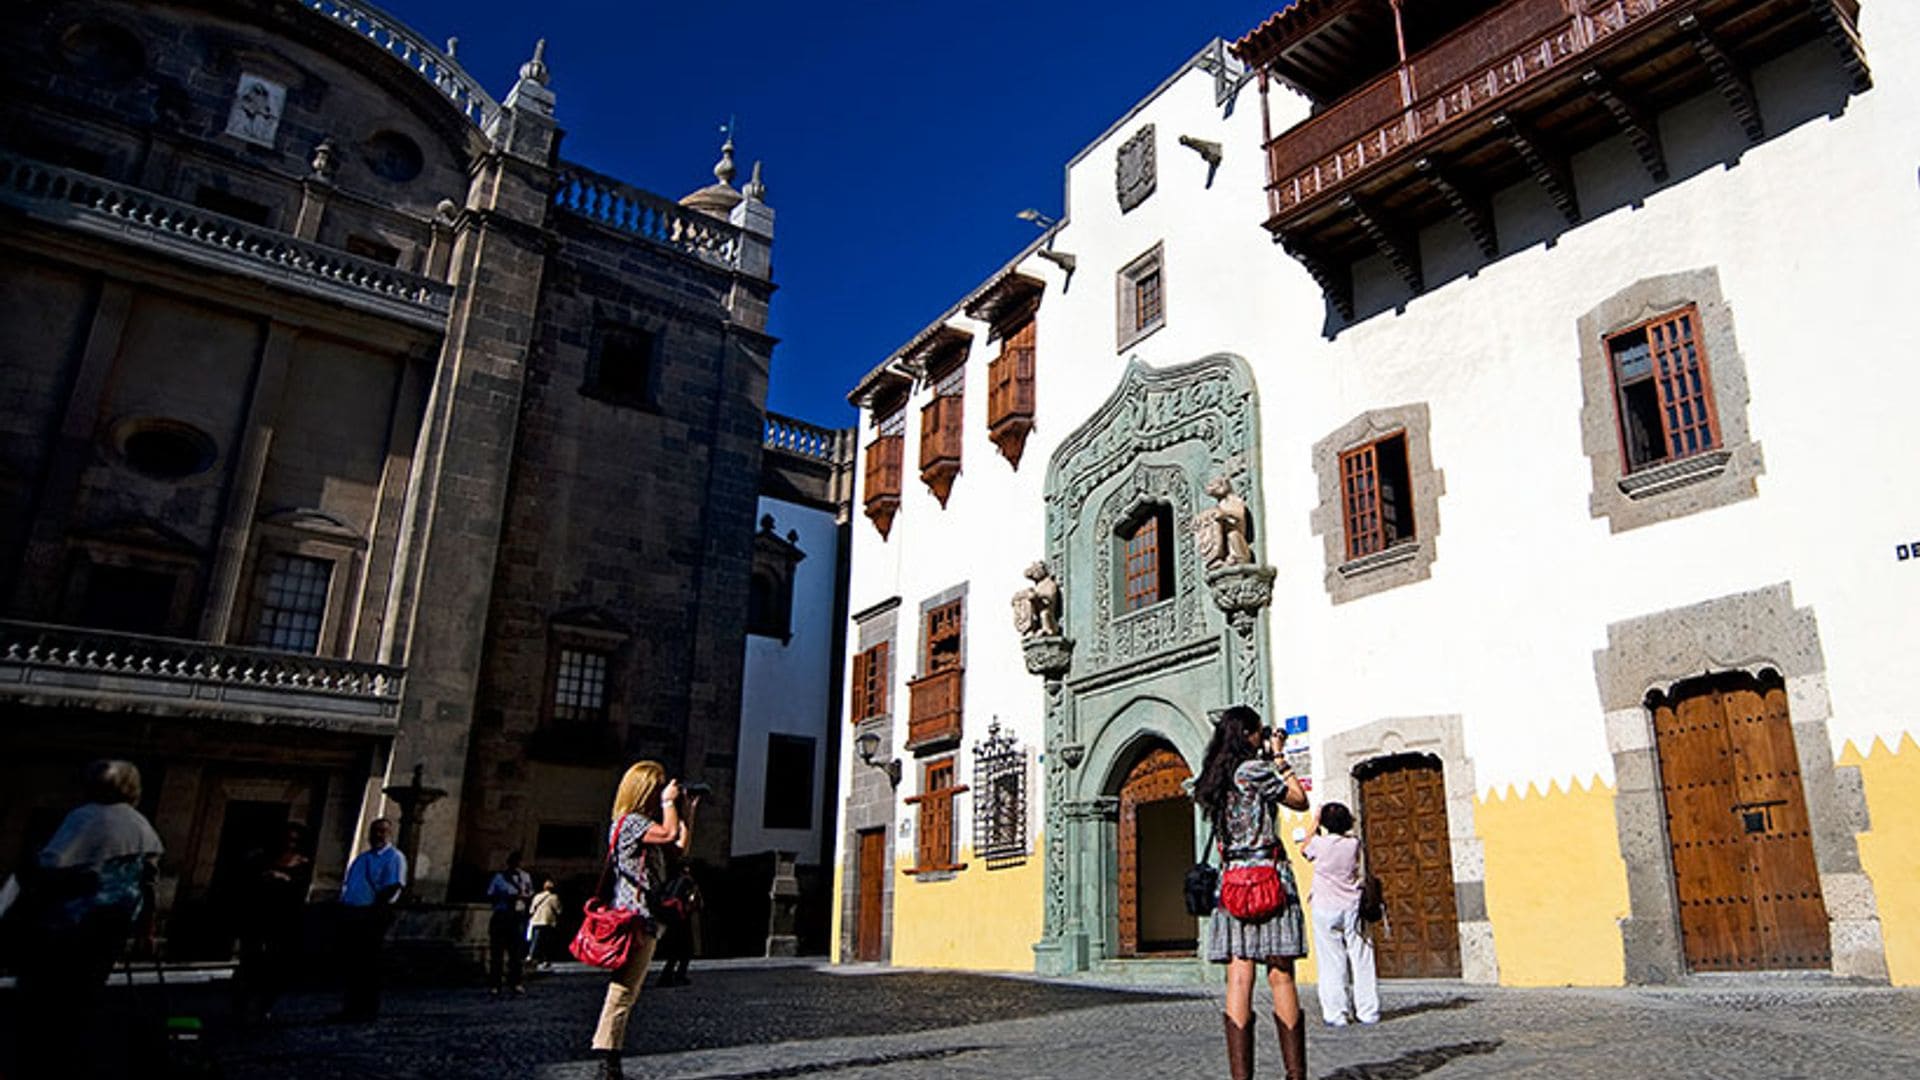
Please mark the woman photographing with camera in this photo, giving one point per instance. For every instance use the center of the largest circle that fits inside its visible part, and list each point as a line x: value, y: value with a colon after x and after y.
x: 1258, y: 921
x: 648, y: 818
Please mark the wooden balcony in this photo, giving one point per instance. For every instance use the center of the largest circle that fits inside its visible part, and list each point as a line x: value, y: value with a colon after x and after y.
x: 934, y: 710
x: 940, y: 437
x: 884, y: 461
x: 1510, y: 95
x: 1010, y: 400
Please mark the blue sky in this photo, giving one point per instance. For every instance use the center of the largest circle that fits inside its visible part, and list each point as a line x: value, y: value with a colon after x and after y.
x: 899, y: 138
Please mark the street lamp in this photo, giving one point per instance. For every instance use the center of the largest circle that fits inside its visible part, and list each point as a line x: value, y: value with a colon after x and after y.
x: 1039, y: 219
x: 868, y: 745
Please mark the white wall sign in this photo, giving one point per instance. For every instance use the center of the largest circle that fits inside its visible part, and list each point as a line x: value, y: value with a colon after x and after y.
x: 257, y: 104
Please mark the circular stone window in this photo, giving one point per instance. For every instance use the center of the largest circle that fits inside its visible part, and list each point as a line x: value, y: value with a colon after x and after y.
x: 102, y: 51
x: 394, y: 156
x: 165, y: 449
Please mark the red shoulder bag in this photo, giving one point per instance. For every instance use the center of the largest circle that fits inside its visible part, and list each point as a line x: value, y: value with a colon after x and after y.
x: 606, y: 933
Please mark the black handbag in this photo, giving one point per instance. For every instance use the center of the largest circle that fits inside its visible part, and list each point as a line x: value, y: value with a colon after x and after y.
x: 1373, y: 901
x: 1203, y: 883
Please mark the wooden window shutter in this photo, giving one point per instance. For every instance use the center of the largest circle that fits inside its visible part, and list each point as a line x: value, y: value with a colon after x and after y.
x: 862, y: 708
x: 1360, y: 499
x: 1680, y: 376
x: 878, y: 679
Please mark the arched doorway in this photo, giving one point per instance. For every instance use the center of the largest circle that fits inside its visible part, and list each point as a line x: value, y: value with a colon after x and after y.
x: 1403, y: 817
x: 1737, y: 829
x: 1156, y: 849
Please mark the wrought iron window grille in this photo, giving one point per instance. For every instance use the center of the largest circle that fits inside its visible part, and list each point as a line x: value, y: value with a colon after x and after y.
x: 1000, y: 799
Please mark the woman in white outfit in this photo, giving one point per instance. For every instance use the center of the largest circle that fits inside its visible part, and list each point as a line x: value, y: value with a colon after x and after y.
x: 1346, y: 953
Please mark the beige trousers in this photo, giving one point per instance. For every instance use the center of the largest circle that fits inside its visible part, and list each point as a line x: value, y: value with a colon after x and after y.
x: 611, y: 1034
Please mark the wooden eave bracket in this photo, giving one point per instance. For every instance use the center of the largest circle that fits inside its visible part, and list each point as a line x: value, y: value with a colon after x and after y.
x: 1728, y: 74
x: 1846, y: 42
x: 937, y: 351
x: 1399, y: 249
x: 1335, y: 279
x: 1638, y: 125
x: 1005, y: 298
x: 1549, y: 168
x: 1474, y: 209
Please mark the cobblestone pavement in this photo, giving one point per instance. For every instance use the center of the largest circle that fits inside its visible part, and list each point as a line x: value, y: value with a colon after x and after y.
x: 762, y: 1023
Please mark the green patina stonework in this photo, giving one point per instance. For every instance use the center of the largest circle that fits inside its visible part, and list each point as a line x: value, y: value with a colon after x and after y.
x: 1134, y: 680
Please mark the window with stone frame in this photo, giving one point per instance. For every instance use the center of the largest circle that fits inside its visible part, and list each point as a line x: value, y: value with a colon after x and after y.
x: 1146, y: 557
x: 1663, y: 392
x: 943, y: 638
x: 580, y: 686
x: 871, y: 670
x: 934, y: 825
x: 1376, y: 496
x: 621, y: 369
x: 1140, y: 298
x: 292, y: 602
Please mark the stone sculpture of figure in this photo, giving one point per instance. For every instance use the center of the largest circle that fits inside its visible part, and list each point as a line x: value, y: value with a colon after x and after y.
x: 1036, y: 610
x: 1222, y: 530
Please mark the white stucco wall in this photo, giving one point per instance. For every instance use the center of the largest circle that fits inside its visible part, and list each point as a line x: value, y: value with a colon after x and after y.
x: 787, y: 687
x: 1812, y: 234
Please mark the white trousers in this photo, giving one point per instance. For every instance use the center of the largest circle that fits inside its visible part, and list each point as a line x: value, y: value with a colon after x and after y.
x: 1345, y: 960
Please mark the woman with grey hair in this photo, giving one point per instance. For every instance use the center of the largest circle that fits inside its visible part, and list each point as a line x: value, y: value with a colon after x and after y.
x: 90, y: 886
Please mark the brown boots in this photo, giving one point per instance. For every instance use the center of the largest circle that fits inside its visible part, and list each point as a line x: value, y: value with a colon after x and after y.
x: 1293, y: 1045
x: 1239, y: 1048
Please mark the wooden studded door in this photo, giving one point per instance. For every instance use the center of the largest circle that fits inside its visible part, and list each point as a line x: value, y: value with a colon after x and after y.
x: 1743, y: 864
x: 1149, y: 870
x: 1403, y: 813
x: 872, y: 874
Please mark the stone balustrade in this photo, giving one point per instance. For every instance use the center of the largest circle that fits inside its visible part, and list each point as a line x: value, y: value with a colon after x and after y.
x: 123, y: 212
x: 138, y: 673
x: 620, y: 206
x: 801, y: 439
x: 440, y: 70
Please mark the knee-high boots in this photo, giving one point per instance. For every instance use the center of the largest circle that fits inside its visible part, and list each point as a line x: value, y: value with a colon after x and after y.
x: 1239, y: 1048
x: 1293, y: 1045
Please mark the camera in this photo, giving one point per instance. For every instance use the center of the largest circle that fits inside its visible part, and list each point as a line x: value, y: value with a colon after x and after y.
x: 696, y: 790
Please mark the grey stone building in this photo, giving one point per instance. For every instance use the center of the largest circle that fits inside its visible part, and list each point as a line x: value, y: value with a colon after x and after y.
x: 350, y: 434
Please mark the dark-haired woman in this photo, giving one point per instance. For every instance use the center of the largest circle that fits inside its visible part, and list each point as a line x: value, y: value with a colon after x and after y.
x: 1242, y: 785
x: 1346, y: 954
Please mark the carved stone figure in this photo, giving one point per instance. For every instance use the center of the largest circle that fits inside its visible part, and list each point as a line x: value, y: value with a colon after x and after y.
x: 1221, y: 531
x: 1036, y: 610
x: 257, y: 104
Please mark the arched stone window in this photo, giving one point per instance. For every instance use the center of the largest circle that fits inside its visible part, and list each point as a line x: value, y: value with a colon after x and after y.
x: 770, y: 589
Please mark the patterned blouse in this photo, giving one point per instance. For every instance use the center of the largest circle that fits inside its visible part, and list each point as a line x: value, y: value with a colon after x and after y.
x: 1250, y: 833
x: 637, y: 866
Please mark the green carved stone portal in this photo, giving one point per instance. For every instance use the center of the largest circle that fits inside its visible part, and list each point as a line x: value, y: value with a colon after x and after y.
x: 1119, y: 683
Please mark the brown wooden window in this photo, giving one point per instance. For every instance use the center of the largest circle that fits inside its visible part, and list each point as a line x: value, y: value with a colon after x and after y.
x: 1010, y: 378
x: 1147, y: 310
x: 943, y: 638
x: 934, y: 714
x: 934, y: 827
x: 1140, y: 298
x: 580, y: 686
x: 1146, y: 550
x: 870, y: 680
x: 1376, y: 496
x: 1663, y: 395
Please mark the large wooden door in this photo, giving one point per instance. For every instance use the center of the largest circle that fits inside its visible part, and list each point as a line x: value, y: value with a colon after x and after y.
x: 1153, y: 863
x: 1403, y: 811
x: 1743, y: 863
x: 872, y: 872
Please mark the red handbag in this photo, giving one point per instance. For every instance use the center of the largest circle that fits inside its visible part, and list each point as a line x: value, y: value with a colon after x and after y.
x: 1252, y: 893
x: 606, y: 934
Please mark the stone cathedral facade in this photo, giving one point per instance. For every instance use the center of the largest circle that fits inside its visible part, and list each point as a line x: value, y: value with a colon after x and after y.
x: 1544, y: 358
x: 362, y: 453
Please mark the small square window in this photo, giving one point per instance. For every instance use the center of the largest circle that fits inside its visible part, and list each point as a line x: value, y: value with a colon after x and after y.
x: 293, y: 603
x: 621, y: 371
x: 1663, y: 393
x: 580, y: 686
x: 1140, y: 298
x: 1376, y: 496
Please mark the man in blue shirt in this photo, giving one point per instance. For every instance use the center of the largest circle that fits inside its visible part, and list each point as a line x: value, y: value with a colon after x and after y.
x: 374, y: 882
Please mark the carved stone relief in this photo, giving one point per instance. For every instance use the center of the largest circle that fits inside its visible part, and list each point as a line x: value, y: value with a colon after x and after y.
x: 1135, y: 170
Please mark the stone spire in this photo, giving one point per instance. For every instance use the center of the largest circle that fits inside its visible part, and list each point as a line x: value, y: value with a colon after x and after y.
x: 525, y: 127
x: 535, y: 70
x: 755, y: 189
x: 718, y: 198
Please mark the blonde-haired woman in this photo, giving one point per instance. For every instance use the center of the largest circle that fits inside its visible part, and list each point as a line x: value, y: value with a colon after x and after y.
x: 646, y: 820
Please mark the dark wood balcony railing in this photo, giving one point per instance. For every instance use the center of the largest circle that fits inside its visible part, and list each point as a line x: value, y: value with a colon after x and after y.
x: 1511, y: 93
x: 884, y: 464
x: 940, y: 437
x: 934, y: 716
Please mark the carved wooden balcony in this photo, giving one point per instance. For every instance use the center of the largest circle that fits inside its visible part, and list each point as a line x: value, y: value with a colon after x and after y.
x: 940, y: 437
x: 1510, y: 94
x: 884, y: 462
x: 934, y: 711
x: 138, y: 673
x: 1010, y: 400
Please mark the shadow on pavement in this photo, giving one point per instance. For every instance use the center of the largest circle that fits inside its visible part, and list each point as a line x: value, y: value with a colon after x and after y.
x: 851, y: 1063
x: 1426, y: 1006
x: 1414, y: 1062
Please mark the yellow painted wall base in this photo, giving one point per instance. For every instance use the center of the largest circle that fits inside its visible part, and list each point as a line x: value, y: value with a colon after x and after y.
x: 981, y: 919
x: 833, y: 935
x: 1890, y: 852
x: 1556, y: 885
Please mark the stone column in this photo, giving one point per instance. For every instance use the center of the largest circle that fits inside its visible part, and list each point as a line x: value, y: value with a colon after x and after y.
x: 1241, y: 591
x: 1051, y: 657
x: 457, y: 494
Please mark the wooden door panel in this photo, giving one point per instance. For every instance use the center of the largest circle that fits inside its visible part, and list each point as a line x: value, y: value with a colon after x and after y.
x: 1744, y: 873
x: 1405, y: 822
x: 1158, y: 776
x: 872, y: 884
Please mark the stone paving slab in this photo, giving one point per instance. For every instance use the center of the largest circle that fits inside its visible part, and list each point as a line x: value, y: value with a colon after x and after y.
x: 762, y: 1023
